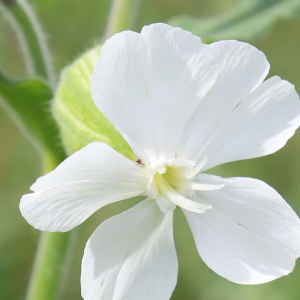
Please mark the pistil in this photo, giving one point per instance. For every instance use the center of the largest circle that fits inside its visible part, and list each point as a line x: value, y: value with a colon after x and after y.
x: 169, y: 193
x: 172, y: 182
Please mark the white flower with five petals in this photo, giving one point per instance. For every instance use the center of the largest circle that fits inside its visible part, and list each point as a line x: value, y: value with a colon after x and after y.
x: 183, y: 107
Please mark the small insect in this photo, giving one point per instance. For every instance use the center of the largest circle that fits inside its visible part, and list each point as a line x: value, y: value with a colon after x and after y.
x: 139, y: 161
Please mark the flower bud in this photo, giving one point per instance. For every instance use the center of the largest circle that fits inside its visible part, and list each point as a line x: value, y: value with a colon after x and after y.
x: 79, y: 120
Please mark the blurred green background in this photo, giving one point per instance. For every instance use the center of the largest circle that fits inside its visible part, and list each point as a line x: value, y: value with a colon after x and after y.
x: 73, y: 27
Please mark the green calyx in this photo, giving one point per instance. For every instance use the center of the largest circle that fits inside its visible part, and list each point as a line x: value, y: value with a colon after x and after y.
x: 78, y: 118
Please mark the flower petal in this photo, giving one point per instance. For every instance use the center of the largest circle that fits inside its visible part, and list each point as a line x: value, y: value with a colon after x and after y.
x: 250, y: 235
x: 261, y: 124
x: 242, y: 68
x: 131, y: 256
x: 148, y: 79
x: 91, y: 178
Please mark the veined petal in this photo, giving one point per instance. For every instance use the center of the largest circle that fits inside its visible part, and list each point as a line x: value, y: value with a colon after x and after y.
x: 261, y: 124
x: 91, y: 178
x: 250, y: 235
x: 154, y: 80
x: 131, y: 256
x: 96, y: 161
x: 242, y: 68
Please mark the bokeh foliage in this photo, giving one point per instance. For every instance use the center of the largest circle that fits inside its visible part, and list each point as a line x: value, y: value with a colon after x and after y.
x: 72, y: 28
x: 246, y: 20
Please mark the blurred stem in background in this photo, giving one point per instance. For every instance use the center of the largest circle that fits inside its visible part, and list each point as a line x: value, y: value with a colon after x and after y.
x: 49, y: 266
x: 50, y: 263
x: 122, y: 15
x: 31, y: 38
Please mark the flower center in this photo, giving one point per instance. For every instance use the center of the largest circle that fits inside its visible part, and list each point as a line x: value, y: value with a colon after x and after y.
x: 172, y: 183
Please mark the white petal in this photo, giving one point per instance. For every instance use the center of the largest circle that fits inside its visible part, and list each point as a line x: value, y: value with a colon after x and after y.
x: 242, y: 68
x: 131, y: 256
x: 261, y: 124
x: 154, y: 80
x: 91, y: 178
x: 250, y: 235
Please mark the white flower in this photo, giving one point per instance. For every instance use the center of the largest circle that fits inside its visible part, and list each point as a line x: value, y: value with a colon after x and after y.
x: 183, y: 107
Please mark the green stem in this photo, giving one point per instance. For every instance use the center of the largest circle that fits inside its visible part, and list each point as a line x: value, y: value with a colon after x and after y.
x: 47, y: 270
x: 31, y: 37
x: 52, y: 255
x: 121, y: 16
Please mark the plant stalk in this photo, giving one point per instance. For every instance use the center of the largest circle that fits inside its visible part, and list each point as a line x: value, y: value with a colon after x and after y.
x: 31, y: 38
x: 121, y: 16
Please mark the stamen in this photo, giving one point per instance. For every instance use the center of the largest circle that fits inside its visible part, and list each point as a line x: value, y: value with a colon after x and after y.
x: 187, y: 174
x: 177, y: 199
x: 177, y: 182
x: 196, y: 170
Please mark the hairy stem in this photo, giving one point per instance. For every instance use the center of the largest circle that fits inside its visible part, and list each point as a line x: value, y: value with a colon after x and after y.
x: 52, y: 254
x: 48, y: 270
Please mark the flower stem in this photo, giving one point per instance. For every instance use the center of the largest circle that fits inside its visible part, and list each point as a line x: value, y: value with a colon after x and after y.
x: 50, y: 261
x: 121, y: 16
x: 31, y: 38
x: 47, y: 271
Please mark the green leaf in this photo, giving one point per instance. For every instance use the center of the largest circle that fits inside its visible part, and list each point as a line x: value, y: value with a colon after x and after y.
x: 78, y: 118
x: 247, y: 20
x: 28, y: 102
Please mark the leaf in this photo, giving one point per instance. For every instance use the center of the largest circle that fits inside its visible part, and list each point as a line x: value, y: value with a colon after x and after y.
x: 28, y: 102
x: 247, y: 20
x: 78, y: 118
